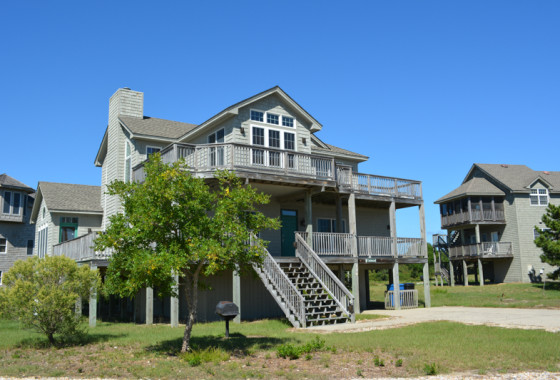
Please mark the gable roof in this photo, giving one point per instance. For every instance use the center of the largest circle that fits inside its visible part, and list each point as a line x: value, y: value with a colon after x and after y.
x: 69, y: 198
x: 234, y: 110
x: 473, y: 187
x: 154, y: 127
x: 332, y: 150
x: 518, y: 178
x: 12, y: 183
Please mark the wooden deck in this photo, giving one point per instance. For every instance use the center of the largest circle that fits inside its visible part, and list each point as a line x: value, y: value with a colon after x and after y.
x: 275, y: 165
x: 488, y: 250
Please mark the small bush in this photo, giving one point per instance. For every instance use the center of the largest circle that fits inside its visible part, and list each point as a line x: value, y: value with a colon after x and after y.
x: 378, y: 362
x: 430, y: 369
x: 398, y: 363
x: 294, y: 352
x: 211, y: 354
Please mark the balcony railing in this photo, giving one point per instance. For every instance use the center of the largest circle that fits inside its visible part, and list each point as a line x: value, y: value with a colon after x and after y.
x: 80, y: 249
x: 378, y: 185
x: 486, y: 249
x: 339, y: 244
x: 209, y: 157
x: 202, y: 158
x: 475, y: 216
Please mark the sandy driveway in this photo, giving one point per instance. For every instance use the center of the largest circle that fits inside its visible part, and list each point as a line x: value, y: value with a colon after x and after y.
x: 545, y: 319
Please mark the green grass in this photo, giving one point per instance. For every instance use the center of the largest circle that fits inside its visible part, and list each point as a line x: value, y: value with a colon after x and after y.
x: 128, y: 350
x: 490, y: 295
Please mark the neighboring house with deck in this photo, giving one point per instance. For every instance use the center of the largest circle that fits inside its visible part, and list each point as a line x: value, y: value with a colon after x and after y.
x: 63, y: 212
x: 337, y: 223
x: 16, y: 232
x: 491, y: 219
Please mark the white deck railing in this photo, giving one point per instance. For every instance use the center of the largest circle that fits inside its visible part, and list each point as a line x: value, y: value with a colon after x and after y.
x: 80, y: 249
x: 289, y: 298
x: 408, y: 298
x: 338, y: 244
x: 336, y: 289
x: 486, y: 249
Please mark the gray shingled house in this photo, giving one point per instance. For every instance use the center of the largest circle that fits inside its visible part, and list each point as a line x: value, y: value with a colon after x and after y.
x: 337, y: 223
x: 63, y: 212
x: 490, y: 221
x: 16, y: 232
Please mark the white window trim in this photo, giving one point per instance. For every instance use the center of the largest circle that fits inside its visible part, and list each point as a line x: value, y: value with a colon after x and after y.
x: 1, y: 276
x: 266, y: 137
x: 280, y: 119
x: 6, y: 251
x: 152, y: 147
x: 538, y: 195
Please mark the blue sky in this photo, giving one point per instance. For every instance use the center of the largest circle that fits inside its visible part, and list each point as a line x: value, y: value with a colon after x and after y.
x: 425, y: 88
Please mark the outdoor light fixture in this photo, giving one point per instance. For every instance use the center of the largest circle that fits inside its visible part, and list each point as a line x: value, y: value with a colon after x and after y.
x: 242, y: 130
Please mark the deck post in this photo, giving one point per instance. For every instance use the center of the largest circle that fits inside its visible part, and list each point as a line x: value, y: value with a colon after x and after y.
x: 308, y: 218
x: 451, y: 274
x: 397, y: 287
x: 78, y: 308
x: 465, y: 273
x: 339, y: 214
x: 427, y: 296
x: 93, y: 303
x: 393, y: 229
x: 355, y: 266
x: 236, y: 296
x: 480, y: 273
x: 149, y: 306
x: 174, y: 307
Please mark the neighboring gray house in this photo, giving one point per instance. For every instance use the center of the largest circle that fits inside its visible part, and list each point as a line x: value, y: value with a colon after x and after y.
x: 491, y: 217
x: 64, y: 211
x: 16, y: 233
x: 334, y: 219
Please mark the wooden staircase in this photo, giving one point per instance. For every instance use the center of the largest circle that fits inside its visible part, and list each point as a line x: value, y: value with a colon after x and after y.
x: 306, y: 289
x: 320, y: 307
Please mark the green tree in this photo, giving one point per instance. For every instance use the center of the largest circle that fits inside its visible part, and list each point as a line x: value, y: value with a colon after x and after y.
x: 42, y: 294
x: 175, y: 223
x: 549, y: 239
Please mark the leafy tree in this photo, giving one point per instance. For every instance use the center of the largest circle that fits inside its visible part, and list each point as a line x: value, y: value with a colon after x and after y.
x: 175, y: 223
x: 549, y: 239
x: 42, y: 294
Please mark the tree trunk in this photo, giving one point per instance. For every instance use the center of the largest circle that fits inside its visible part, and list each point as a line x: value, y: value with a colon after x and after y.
x: 51, y: 339
x: 192, y: 302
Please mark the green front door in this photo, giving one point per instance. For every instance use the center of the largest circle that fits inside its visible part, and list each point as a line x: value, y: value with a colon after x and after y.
x: 289, y: 226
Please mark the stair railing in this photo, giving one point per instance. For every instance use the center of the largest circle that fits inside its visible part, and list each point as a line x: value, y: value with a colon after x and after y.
x: 334, y: 287
x: 290, y: 296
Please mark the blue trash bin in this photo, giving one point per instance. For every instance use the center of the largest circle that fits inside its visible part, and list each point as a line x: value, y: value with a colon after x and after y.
x: 391, y: 287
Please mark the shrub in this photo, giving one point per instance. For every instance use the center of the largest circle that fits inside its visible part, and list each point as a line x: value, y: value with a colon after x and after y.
x: 398, y: 363
x: 42, y: 294
x: 430, y: 369
x: 210, y: 354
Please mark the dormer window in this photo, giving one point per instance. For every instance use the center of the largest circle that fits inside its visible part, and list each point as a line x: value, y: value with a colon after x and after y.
x: 257, y: 115
x: 539, y: 197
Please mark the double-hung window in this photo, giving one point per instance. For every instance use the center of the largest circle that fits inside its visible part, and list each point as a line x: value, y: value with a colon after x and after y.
x: 539, y: 197
x: 329, y: 225
x: 12, y: 203
x: 258, y: 139
x: 216, y: 154
x: 3, y: 245
x: 290, y: 144
x: 274, y: 142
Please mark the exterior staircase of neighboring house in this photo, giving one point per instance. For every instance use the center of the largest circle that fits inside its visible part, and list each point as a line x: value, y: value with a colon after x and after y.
x: 441, y: 246
x: 306, y: 290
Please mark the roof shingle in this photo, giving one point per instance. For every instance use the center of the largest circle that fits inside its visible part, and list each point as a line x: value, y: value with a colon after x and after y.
x: 10, y: 182
x: 152, y: 126
x: 71, y: 197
